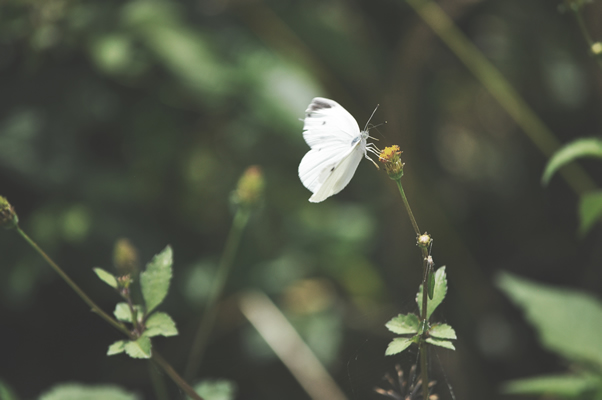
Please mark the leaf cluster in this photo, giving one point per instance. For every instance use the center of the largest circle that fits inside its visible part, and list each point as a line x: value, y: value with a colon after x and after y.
x: 414, y: 329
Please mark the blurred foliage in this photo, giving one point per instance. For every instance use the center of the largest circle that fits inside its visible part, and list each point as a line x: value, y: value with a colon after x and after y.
x: 134, y: 119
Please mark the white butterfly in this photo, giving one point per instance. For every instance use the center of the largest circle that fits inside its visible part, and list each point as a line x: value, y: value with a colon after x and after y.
x: 337, y: 147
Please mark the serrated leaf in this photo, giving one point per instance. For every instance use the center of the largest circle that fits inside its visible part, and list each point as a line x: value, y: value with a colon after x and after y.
x: 117, y: 347
x: 442, y: 331
x: 160, y: 323
x: 441, y: 343
x: 106, y: 277
x: 404, y: 324
x: 568, y: 322
x: 140, y: 348
x: 77, y: 391
x: 122, y: 312
x: 566, y: 386
x: 155, y: 279
x: 398, y: 345
x: 220, y: 389
x: 586, y: 147
x: 590, y: 210
x: 439, y: 292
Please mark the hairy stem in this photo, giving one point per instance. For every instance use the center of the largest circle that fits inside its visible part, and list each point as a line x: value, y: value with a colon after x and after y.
x: 208, y: 319
x: 160, y: 361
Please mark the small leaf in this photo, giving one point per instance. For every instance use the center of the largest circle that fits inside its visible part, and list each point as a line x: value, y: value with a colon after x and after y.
x: 155, y: 279
x: 439, y: 292
x: 431, y: 285
x: 141, y: 348
x: 566, y: 386
x: 77, y: 391
x: 221, y: 389
x: 6, y: 392
x: 441, y: 343
x: 586, y: 147
x: 398, y: 345
x: 590, y: 210
x: 160, y: 323
x: 443, y: 331
x: 117, y: 347
x: 404, y: 324
x: 122, y: 312
x: 106, y: 277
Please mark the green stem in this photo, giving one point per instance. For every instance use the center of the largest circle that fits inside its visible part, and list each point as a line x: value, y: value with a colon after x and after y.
x: 500, y: 89
x: 423, y: 348
x: 208, y: 319
x: 155, y: 357
x: 74, y: 286
x: 160, y: 361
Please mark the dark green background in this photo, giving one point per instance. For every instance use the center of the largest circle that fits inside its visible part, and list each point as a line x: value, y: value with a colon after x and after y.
x: 136, y: 118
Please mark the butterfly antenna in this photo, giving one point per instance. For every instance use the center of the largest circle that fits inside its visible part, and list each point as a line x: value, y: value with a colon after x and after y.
x: 366, y: 127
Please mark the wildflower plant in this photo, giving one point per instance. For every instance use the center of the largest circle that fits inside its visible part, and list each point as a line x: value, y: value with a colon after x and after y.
x: 417, y: 328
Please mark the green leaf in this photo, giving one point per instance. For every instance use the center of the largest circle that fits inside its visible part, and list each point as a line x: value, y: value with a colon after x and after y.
x: 586, y: 147
x: 439, y: 292
x: 140, y: 348
x: 442, y: 331
x: 155, y: 279
x: 590, y: 210
x: 220, y: 389
x: 122, y: 312
x: 117, y: 347
x: 441, y: 343
x: 398, y: 345
x: 431, y: 285
x: 6, y: 392
x: 568, y: 322
x: 77, y: 391
x: 106, y: 277
x: 569, y: 386
x: 404, y: 324
x: 160, y: 323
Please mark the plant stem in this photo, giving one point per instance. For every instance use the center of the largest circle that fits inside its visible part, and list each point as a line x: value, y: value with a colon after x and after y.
x: 590, y: 42
x: 74, y: 286
x: 155, y: 355
x: 208, y: 319
x: 423, y: 348
x: 500, y: 89
x: 157, y: 358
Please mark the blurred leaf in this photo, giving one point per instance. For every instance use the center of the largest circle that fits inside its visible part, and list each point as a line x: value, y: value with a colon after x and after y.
x: 106, y: 277
x: 140, y: 348
x: 398, y: 345
x: 590, y: 210
x: 221, y: 389
x: 6, y: 393
x: 155, y: 279
x: 568, y: 322
x: 569, y: 386
x: 440, y: 290
x: 160, y: 323
x: 586, y: 147
x: 77, y: 391
x: 112, y: 53
x: 404, y: 324
x: 117, y: 347
x: 122, y: 312
x: 441, y: 343
x: 443, y: 331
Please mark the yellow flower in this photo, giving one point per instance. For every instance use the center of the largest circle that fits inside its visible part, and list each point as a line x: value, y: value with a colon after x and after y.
x: 390, y: 156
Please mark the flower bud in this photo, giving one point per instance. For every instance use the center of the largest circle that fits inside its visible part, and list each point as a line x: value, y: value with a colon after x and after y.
x: 8, y: 216
x: 424, y: 240
x: 125, y: 258
x: 250, y: 187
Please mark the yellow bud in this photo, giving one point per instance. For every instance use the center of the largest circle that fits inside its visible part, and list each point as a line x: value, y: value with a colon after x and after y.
x: 125, y: 258
x: 250, y: 187
x: 8, y: 216
x: 424, y: 240
x: 390, y: 156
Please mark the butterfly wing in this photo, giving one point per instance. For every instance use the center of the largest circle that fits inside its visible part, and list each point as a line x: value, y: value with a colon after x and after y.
x: 336, y: 148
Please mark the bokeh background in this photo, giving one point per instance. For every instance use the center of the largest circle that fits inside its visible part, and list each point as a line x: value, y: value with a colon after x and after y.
x: 136, y: 118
